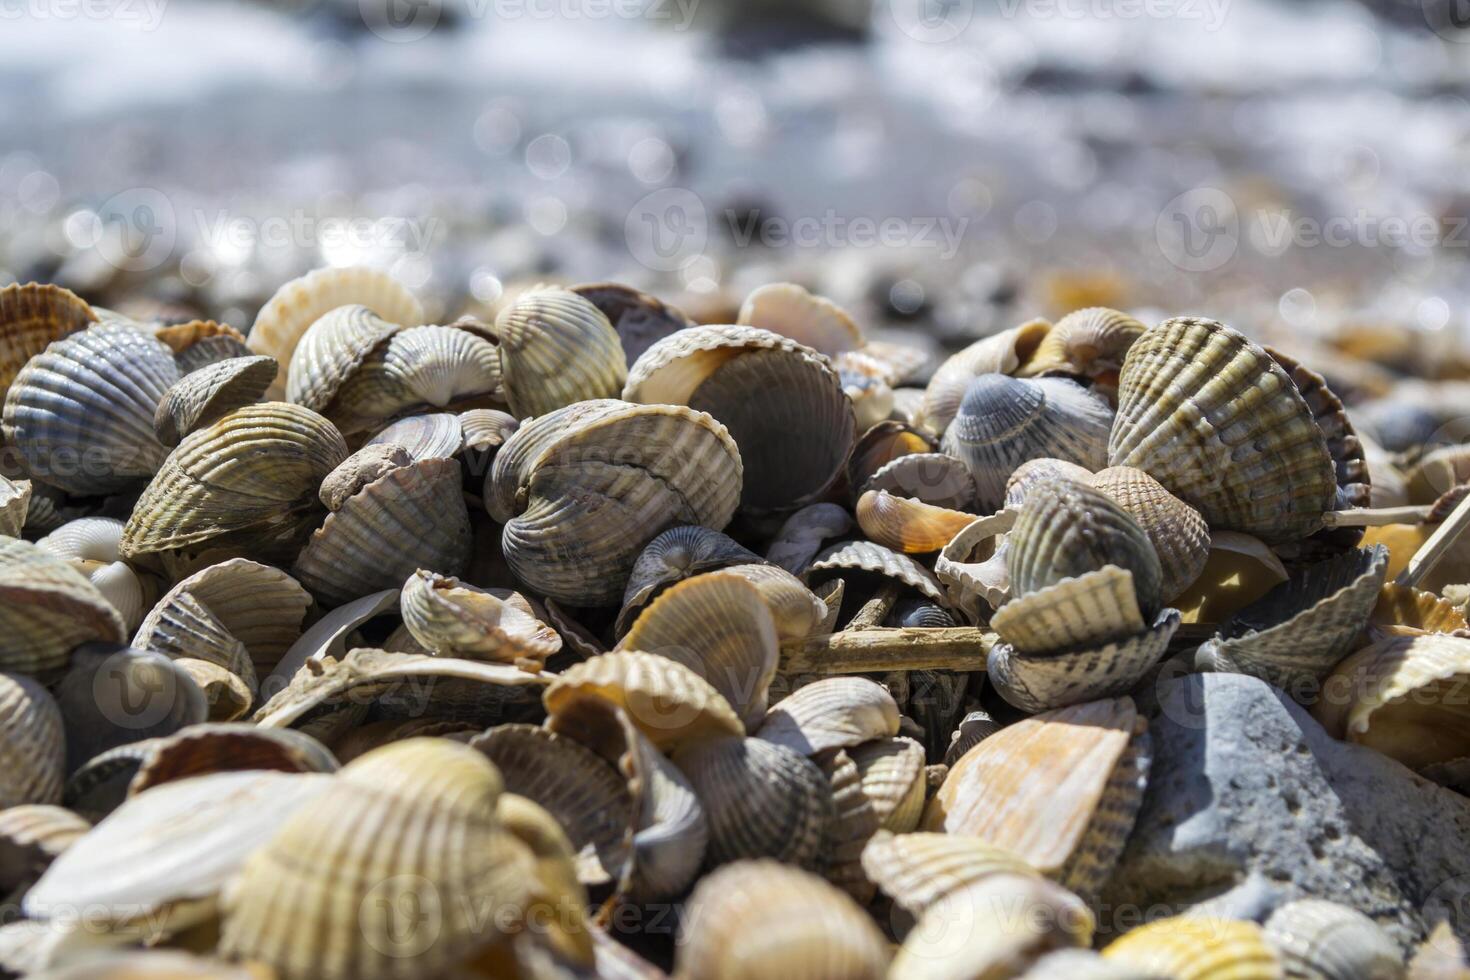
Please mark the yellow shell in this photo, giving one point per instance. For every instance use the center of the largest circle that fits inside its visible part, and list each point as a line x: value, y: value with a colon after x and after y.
x: 916, y: 870
x: 789, y: 310
x: 892, y: 771
x: 1091, y: 609
x: 1239, y: 570
x: 459, y: 620
x: 31, y: 317
x: 1198, y: 948
x: 556, y: 348
x: 1090, y: 342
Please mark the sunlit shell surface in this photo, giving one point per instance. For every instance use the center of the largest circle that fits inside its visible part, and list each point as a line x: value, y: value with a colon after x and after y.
x: 556, y: 348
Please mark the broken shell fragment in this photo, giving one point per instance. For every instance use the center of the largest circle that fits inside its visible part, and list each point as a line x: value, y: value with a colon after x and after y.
x: 454, y: 619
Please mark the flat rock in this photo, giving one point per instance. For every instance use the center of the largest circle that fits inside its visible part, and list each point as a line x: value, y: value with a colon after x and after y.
x: 1249, y: 798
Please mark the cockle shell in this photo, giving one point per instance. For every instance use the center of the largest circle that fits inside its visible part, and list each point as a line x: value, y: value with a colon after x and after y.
x: 112, y: 695
x: 794, y: 437
x: 1198, y: 948
x: 874, y: 559
x: 32, y: 743
x: 459, y: 620
x: 1002, y: 353
x: 1091, y: 342
x: 760, y: 800
x: 90, y: 545
x: 15, y: 503
x: 1322, y: 940
x: 800, y: 538
x: 881, y: 444
x: 853, y: 823
x: 583, y: 489
x: 972, y: 565
x: 1093, y: 608
x: 203, y: 396
x: 918, y: 869
x: 892, y: 771
x: 1003, y: 422
x: 32, y: 316
x: 641, y: 320
x: 1084, y: 964
x: 31, y: 837
x: 301, y: 302
x: 1401, y: 605
x: 200, y: 343
x: 438, y: 435
x: 935, y: 478
x: 1220, y: 424
x: 199, y: 750
x: 973, y: 729
x: 908, y: 525
x: 556, y: 348
x: 806, y: 928
x: 672, y: 556
x: 1294, y: 635
x: 833, y: 713
x: 1180, y: 536
x: 331, y: 351
x: 796, y: 610
x: 47, y: 608
x: 81, y: 413
x: 814, y: 321
x: 1239, y: 570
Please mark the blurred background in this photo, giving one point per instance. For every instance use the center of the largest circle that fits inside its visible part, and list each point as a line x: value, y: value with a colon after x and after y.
x: 945, y: 168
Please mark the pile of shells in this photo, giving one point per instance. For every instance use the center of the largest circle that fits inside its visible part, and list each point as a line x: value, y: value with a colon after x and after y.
x: 588, y: 640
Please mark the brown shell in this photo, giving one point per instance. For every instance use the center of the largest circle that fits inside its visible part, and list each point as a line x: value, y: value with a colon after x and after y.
x: 641, y: 320
x: 1091, y: 342
x: 908, y: 525
x: 31, y: 317
x: 47, y: 608
x: 556, y: 348
x: 1180, y: 536
x: 202, y: 396
x: 32, y: 743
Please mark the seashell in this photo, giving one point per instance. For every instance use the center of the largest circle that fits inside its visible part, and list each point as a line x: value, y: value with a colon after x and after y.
x: 200, y: 750
x: 1400, y: 696
x: 1037, y: 472
x: 1083, y: 964
x: 800, y: 538
x: 760, y: 800
x: 81, y: 413
x: 797, y: 611
x: 1401, y: 605
x: 244, y: 485
x: 47, y: 608
x: 1197, y: 948
x: 90, y: 545
x: 872, y: 399
x: 160, y: 964
x: 199, y: 343
x: 672, y: 556
x: 423, y: 830
x: 807, y: 927
x: 972, y: 565
x: 330, y: 352
x: 908, y: 403
x: 1438, y: 472
x: 814, y: 321
x: 866, y: 556
x: 716, y: 624
x: 112, y: 695
x: 459, y: 620
x: 205, y: 395
x: 918, y: 869
x: 557, y: 897
x: 1322, y: 940
x: 640, y: 320
x: 1294, y: 635
x: 973, y: 729
x: 1002, y: 353
x: 667, y: 701
x: 32, y: 317
x: 881, y: 444
x: 1240, y: 569
x: 587, y: 796
x: 15, y: 504
x: 1440, y: 957
x: 994, y: 927
x: 227, y: 695
x: 286, y: 317
x: 832, y: 713
x: 1091, y: 342
x: 1061, y: 790
x: 793, y: 439
x: 908, y: 525
x: 32, y: 743
x: 415, y: 368
x: 1219, y: 423
x: 935, y: 478
x: 435, y: 436
x: 1094, y: 608
x: 159, y: 861
x: 583, y: 489
x: 1041, y: 682
x: 892, y: 771
x: 326, y: 639
x: 410, y: 518
x: 1180, y: 536
x: 1002, y: 422
x: 556, y: 348
x: 853, y: 823
x: 31, y: 837
x: 486, y: 429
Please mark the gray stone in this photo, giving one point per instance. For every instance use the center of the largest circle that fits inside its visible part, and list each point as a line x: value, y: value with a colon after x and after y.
x: 1249, y: 796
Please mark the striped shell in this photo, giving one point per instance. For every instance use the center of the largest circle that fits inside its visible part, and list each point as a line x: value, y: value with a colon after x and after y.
x: 439, y: 435
x: 1002, y: 353
x: 455, y: 619
x: 32, y: 743
x: 641, y: 320
x: 935, y: 478
x: 200, y: 343
x: 918, y: 869
x: 892, y: 772
x: 90, y: 545
x: 413, y: 369
x: 853, y: 823
x: 32, y: 316
x: 47, y: 609
x: 1321, y: 940
x: 1214, y: 419
x: 331, y: 351
x: 202, y: 396
x: 873, y: 558
x: 81, y: 413
x: 200, y: 750
x: 672, y: 556
x: 1198, y: 948
x: 556, y: 348
x: 1091, y: 342
x: 31, y: 837
x: 1087, y: 610
x: 1180, y: 536
x: 908, y: 525
x: 800, y: 537
x: 833, y: 713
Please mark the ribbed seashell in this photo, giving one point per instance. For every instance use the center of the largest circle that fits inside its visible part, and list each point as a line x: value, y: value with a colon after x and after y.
x: 918, y: 869
x: 31, y: 837
x: 32, y: 743
x: 1041, y: 682
x: 790, y: 310
x: 1004, y: 422
x: 212, y: 747
x: 202, y: 396
x: 1091, y: 609
x: 892, y: 772
x: 908, y: 525
x: 881, y: 444
x: 228, y: 695
x: 330, y: 352
x: 833, y: 713
x: 972, y: 565
x: 1401, y: 605
x: 48, y: 608
x: 435, y: 436
x: 246, y: 483
x: 486, y: 429
x: 1220, y: 424
x: 806, y: 928
x: 583, y: 489
x: 165, y: 854
x: 797, y: 611
x: 1322, y: 940
x: 15, y: 504
x: 199, y: 343
x: 32, y: 316
x: 432, y: 366
x: 458, y: 620
x: 1294, y: 635
x: 993, y: 927
x: 716, y: 624
x: 935, y: 478
x: 873, y: 558
x: 113, y: 695
x: 1038, y: 472
x: 641, y: 320
x: 413, y: 517
x: 973, y: 729
x: 1091, y: 342
x: 90, y: 545
x: 556, y: 348
x: 1400, y: 696
x: 1180, y: 536
x: 46, y: 510
x: 1061, y: 790
x: 1239, y: 570
x: 760, y: 800
x: 672, y: 556
x: 667, y: 701
x: 794, y: 435
x: 1084, y: 964
x: 1198, y: 948
x: 853, y: 823
x: 562, y: 935
x: 1002, y: 353
x: 301, y: 302
x: 587, y: 796
x: 800, y: 538
x: 81, y: 413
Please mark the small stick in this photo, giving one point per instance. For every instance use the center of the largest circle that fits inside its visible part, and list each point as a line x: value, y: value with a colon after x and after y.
x: 1375, y: 516
x: 1438, y: 545
x: 876, y: 609
x: 878, y: 650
